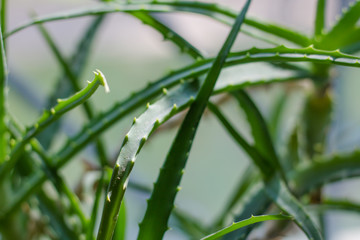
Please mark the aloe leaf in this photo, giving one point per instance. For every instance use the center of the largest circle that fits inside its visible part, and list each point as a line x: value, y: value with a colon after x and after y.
x: 346, y: 24
x: 324, y: 170
x: 336, y: 204
x: 142, y: 127
x: 120, y: 230
x: 252, y: 55
x: 320, y: 18
x: 63, y: 106
x: 168, y: 33
x: 107, y: 119
x: 78, y: 62
x: 256, y: 202
x: 3, y: 85
x: 282, y: 32
x: 279, y: 193
x: 3, y: 16
x: 71, y: 76
x: 162, y: 199
x: 260, y: 133
x: 208, y: 9
x: 244, y: 223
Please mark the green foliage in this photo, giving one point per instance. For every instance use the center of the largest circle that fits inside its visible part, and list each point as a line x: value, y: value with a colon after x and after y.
x: 289, y: 160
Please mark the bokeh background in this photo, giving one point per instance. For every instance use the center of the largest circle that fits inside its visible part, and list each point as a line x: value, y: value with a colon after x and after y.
x: 131, y: 54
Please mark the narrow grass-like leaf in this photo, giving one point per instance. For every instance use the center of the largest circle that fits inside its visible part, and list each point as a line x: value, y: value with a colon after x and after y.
x: 168, y: 33
x: 325, y: 170
x: 209, y: 9
x: 334, y: 38
x: 260, y: 133
x: 3, y: 86
x: 63, y: 106
x: 244, y: 223
x: 162, y: 199
x: 279, y: 193
x: 320, y: 18
x: 142, y: 127
x: 282, y: 32
x: 95, y: 207
x: 3, y: 16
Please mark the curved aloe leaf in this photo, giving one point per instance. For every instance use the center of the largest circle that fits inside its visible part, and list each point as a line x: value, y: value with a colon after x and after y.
x: 244, y: 223
x: 320, y: 18
x: 48, y: 117
x: 336, y: 204
x: 63, y: 87
x: 3, y: 83
x: 260, y: 133
x: 110, y: 117
x: 213, y: 10
x: 134, y: 140
x: 325, y: 170
x: 279, y: 193
x: 162, y: 199
x: 168, y: 33
x: 277, y: 54
x: 282, y: 32
x: 256, y: 202
x: 336, y: 36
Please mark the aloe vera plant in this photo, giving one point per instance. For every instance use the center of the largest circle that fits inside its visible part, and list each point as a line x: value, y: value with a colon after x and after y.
x: 289, y: 161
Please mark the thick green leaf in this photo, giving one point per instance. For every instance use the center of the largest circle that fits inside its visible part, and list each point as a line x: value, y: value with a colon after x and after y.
x: 213, y: 10
x: 157, y: 113
x: 279, y: 193
x: 162, y: 199
x: 106, y: 120
x: 260, y: 133
x: 336, y: 205
x: 244, y: 223
x: 320, y: 18
x: 334, y: 39
x: 324, y: 170
x: 120, y: 230
x: 50, y: 116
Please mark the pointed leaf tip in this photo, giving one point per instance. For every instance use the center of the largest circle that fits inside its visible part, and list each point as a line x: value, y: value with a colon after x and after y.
x: 101, y: 77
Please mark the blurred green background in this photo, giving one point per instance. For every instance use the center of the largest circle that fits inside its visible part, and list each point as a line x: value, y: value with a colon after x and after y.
x: 130, y: 55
